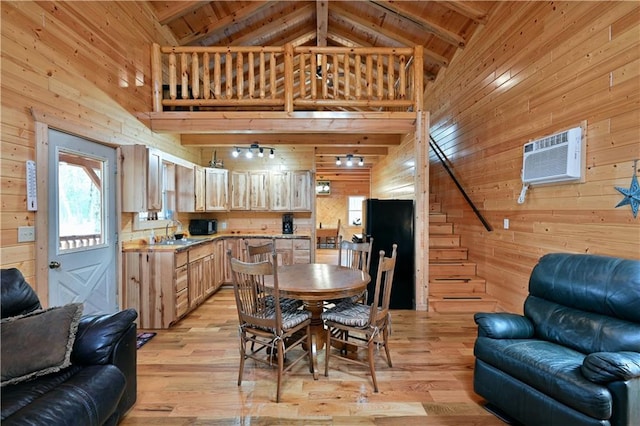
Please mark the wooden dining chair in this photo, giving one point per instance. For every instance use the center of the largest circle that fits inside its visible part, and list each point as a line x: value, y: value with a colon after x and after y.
x: 332, y: 240
x: 264, y: 324
x: 362, y: 326
x: 265, y: 253
x: 356, y: 256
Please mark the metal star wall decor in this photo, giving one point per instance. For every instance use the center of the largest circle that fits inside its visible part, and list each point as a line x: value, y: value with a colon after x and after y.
x: 631, y: 195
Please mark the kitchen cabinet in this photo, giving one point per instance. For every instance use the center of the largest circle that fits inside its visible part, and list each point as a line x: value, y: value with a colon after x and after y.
x: 163, y: 286
x: 190, y: 185
x: 249, y: 190
x: 293, y: 250
x: 258, y: 190
x: 216, y: 193
x: 291, y: 190
x: 302, y: 190
x: 240, y: 189
x: 280, y: 191
x: 150, y: 287
x: 142, y: 179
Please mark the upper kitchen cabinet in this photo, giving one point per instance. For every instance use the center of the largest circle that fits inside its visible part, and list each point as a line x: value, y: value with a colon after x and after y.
x: 240, y: 190
x: 302, y: 191
x: 290, y: 190
x: 216, y: 195
x: 190, y: 184
x: 249, y: 190
x: 141, y: 179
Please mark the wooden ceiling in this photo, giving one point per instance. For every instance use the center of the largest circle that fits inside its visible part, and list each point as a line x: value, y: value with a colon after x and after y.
x: 441, y: 27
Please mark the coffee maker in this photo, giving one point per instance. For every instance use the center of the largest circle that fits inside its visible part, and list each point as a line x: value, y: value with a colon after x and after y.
x: 287, y: 223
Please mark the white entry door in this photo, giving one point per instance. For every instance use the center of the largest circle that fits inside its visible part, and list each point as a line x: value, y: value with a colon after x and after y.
x: 82, y: 223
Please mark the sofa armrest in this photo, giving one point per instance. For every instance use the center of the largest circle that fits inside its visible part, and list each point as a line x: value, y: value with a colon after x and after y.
x: 502, y: 325
x: 605, y: 367
x: 98, y: 335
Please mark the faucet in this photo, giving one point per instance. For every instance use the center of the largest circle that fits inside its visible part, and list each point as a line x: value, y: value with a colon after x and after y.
x: 172, y: 222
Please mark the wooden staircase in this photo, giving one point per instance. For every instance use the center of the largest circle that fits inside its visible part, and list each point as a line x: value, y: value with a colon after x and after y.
x: 453, y: 283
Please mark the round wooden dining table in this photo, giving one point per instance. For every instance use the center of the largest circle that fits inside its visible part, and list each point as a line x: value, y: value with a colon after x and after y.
x: 315, y: 283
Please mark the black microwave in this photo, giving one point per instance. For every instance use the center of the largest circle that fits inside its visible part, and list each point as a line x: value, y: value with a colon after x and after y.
x: 203, y: 226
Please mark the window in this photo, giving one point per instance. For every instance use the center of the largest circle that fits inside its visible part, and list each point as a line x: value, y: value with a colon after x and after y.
x: 355, y: 210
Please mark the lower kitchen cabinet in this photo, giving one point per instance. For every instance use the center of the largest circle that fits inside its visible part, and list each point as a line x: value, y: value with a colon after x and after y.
x: 163, y: 286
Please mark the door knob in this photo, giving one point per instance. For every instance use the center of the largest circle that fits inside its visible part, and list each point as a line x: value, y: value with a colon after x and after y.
x: 53, y: 264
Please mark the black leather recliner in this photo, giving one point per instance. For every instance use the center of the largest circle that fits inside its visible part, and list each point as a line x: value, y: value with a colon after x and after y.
x: 99, y: 386
x: 573, y: 358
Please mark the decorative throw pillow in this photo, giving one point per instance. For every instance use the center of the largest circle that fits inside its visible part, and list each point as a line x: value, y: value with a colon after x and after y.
x: 38, y: 343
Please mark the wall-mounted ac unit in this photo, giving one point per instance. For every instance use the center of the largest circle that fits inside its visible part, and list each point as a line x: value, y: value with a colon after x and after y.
x: 555, y: 158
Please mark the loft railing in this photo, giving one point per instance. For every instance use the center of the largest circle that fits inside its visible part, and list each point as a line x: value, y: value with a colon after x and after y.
x: 287, y: 78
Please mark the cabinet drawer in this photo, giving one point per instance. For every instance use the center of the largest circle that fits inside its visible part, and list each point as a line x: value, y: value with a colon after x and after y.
x: 181, y: 258
x: 182, y: 303
x: 200, y: 251
x: 284, y: 243
x: 181, y: 278
x: 301, y: 256
x: 301, y: 244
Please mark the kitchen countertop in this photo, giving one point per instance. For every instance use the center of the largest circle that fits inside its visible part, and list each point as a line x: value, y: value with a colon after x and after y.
x: 180, y: 245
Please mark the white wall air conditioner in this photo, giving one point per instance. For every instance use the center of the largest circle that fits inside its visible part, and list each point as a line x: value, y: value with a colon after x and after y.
x: 555, y: 158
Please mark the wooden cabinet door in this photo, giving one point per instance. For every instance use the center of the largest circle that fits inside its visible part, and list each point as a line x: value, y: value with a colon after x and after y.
x: 301, y: 190
x: 216, y: 193
x: 199, y: 189
x: 259, y: 190
x: 185, y: 189
x: 280, y: 190
x: 154, y: 180
x: 208, y: 275
x: 240, y: 190
x: 142, y: 179
x: 284, y: 250
x: 196, y: 288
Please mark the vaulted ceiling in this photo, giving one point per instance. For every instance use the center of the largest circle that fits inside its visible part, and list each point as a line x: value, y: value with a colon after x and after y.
x: 441, y: 27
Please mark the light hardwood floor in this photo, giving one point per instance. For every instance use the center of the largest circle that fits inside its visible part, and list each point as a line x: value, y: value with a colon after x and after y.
x: 188, y: 376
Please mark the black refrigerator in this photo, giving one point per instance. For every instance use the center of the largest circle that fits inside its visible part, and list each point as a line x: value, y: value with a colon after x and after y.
x: 389, y: 222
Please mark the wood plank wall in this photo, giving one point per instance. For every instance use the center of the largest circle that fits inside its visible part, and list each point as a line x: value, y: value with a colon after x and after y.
x: 86, y: 66
x: 535, y: 69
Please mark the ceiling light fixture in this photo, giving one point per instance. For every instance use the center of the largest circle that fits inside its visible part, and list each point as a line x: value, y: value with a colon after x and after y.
x: 249, y: 151
x: 349, y: 161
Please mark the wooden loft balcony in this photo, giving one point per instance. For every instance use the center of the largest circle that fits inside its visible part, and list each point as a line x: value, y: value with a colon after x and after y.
x: 280, y: 89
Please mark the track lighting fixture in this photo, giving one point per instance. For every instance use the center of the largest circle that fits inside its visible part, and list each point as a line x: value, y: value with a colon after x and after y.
x: 349, y: 161
x: 249, y: 151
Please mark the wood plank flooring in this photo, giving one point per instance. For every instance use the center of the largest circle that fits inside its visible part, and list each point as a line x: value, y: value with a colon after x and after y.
x: 187, y: 375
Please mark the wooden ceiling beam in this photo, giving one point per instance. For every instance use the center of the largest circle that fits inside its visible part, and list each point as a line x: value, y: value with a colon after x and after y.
x: 334, y: 150
x: 430, y: 27
x: 322, y: 21
x: 167, y: 11
x: 219, y: 25
x: 467, y: 9
x: 391, y: 39
x: 369, y: 143
x: 270, y: 34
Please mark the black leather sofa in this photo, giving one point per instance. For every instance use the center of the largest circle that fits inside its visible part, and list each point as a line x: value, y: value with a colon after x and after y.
x: 99, y: 385
x: 573, y: 358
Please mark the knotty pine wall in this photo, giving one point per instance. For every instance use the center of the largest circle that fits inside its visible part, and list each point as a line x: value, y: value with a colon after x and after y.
x: 86, y: 67
x: 535, y: 69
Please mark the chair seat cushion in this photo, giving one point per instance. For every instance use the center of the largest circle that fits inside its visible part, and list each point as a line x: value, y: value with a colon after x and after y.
x: 290, y: 318
x: 286, y: 304
x: 348, y: 313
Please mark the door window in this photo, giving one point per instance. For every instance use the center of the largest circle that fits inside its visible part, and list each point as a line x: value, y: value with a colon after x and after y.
x: 81, y: 221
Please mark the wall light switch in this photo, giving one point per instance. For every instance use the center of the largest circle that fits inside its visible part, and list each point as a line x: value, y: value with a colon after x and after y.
x: 26, y: 234
x: 506, y: 224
